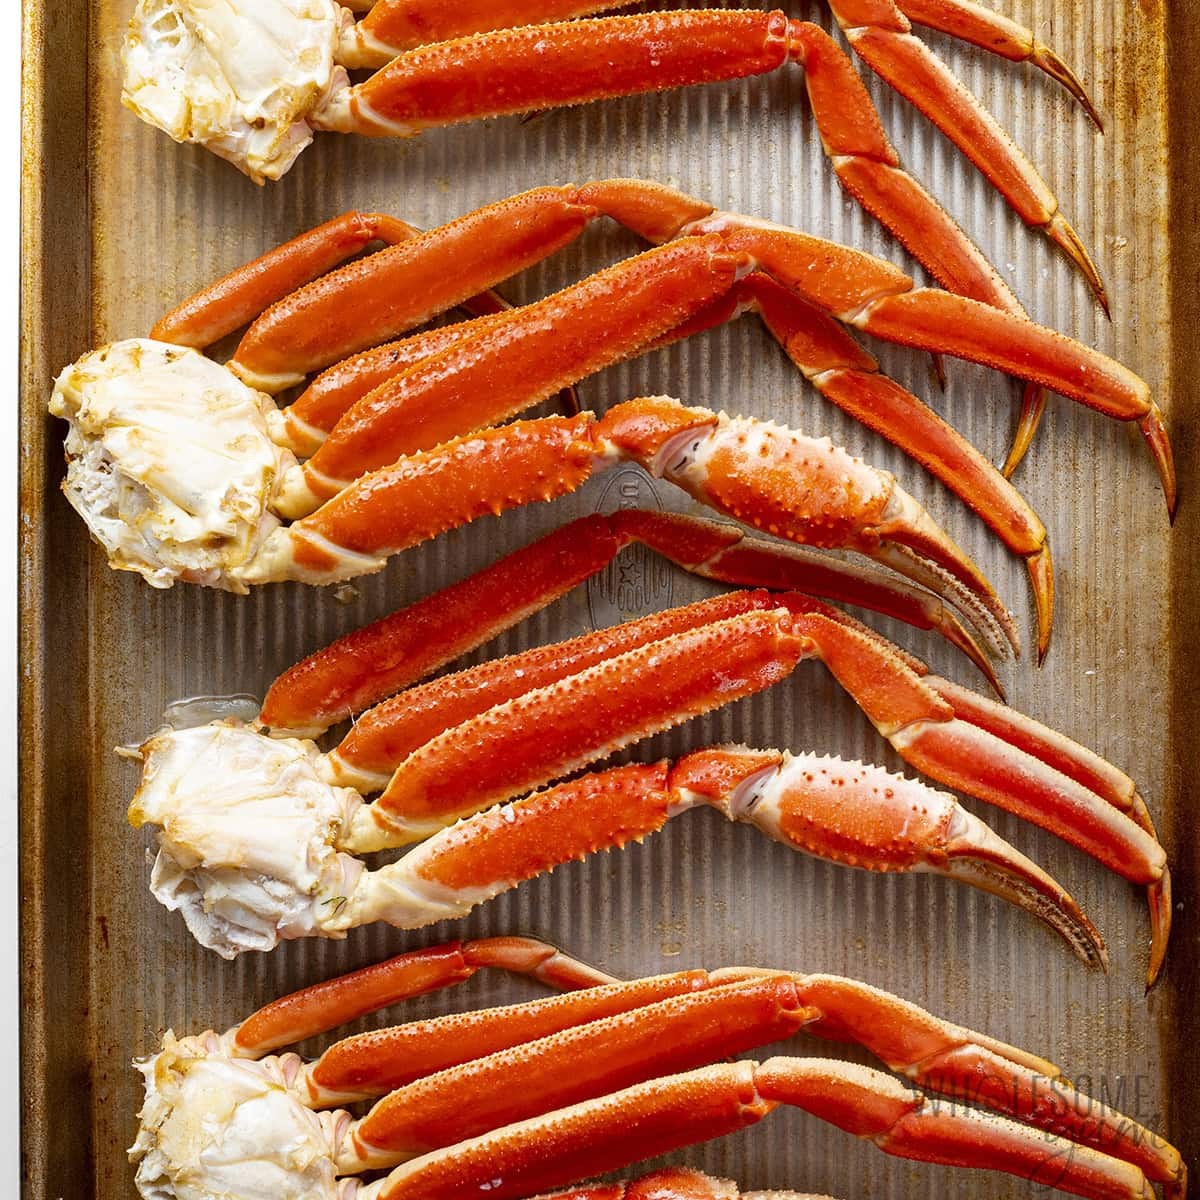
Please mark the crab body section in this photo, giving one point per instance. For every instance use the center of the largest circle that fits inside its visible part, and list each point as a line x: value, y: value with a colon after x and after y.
x: 170, y: 461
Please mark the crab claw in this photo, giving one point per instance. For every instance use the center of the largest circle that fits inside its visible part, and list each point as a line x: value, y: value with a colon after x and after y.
x: 803, y: 489
x: 865, y: 816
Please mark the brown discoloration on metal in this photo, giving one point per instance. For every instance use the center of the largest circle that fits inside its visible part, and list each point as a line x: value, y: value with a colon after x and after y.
x: 120, y: 224
x: 1184, y: 980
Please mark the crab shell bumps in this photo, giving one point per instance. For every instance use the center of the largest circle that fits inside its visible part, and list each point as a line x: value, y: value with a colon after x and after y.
x: 236, y: 76
x: 169, y: 461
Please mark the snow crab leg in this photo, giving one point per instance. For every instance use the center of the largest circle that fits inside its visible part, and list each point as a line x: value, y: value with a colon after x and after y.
x: 450, y: 748
x: 278, y: 346
x: 552, y: 1091
x: 456, y: 64
x: 401, y: 399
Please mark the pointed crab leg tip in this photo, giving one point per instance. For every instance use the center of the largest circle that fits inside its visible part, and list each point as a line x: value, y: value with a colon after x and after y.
x: 978, y: 856
x: 939, y: 370
x: 957, y: 634
x: 1041, y: 579
x: 1061, y: 232
x: 1058, y: 911
x: 1033, y: 406
x: 1046, y: 60
x: 1159, y: 896
x: 1154, y: 430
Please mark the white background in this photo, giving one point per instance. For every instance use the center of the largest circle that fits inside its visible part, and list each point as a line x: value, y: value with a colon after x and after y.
x: 10, y: 177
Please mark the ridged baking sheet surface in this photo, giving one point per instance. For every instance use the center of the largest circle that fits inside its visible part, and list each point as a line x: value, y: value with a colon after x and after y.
x: 158, y: 220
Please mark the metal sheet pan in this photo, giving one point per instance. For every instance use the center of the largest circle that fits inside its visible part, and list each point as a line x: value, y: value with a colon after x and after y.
x: 119, y: 223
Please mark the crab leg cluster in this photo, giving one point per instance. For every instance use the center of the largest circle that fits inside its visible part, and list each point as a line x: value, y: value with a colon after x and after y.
x: 440, y: 754
x: 543, y: 1094
x: 442, y: 63
x: 381, y: 429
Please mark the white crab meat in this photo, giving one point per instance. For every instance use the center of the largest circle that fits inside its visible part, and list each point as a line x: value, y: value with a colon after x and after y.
x: 220, y: 1128
x: 170, y: 461
x: 250, y: 837
x: 239, y: 77
x: 248, y: 830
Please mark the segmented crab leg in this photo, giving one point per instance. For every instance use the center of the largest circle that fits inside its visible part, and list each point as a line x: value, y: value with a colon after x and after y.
x: 866, y: 292
x: 882, y: 37
x: 573, y: 62
x: 998, y: 34
x: 250, y: 290
x: 583, y: 1063
x: 519, y: 1047
x: 323, y: 1006
x: 683, y: 1032
x: 484, y: 736
x: 982, y: 751
x: 503, y: 362
x: 363, y: 667
x: 365, y: 303
x: 461, y: 770
x: 665, y: 1114
x: 509, y: 361
x: 842, y: 812
x: 868, y: 167
x: 875, y: 297
x: 516, y: 361
x: 384, y: 737
x: 848, y: 376
x: 801, y: 488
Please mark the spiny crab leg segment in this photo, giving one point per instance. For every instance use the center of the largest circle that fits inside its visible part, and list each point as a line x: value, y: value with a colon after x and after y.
x: 803, y: 489
x: 546, y: 66
x: 842, y: 812
x: 366, y: 666
x: 382, y: 296
x: 439, y: 1078
x: 496, y: 372
x: 384, y: 737
x: 848, y: 376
